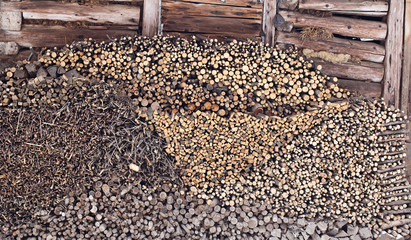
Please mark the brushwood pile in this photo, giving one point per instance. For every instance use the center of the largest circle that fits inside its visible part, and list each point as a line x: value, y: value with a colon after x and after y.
x: 169, y: 138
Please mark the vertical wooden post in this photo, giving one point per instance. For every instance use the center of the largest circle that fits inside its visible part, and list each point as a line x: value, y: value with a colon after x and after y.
x: 10, y: 21
x: 270, y: 10
x: 393, y: 56
x: 151, y: 17
x: 406, y: 67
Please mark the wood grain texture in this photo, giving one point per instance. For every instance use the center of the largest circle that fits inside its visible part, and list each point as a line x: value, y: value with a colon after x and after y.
x: 151, y: 17
x: 393, y: 58
x: 219, y: 25
x: 365, y: 71
x: 364, y: 50
x: 270, y: 10
x: 219, y: 36
x: 243, y: 3
x: 360, y: 7
x: 57, y: 36
x: 51, y: 10
x: 406, y: 67
x: 201, y: 9
x: 368, y: 89
x: 340, y: 25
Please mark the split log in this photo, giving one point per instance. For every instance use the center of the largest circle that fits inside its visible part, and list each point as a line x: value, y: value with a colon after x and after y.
x: 54, y: 36
x: 361, y: 7
x: 339, y: 25
x: 364, y: 50
x: 51, y: 10
x: 364, y: 71
x: 396, y: 223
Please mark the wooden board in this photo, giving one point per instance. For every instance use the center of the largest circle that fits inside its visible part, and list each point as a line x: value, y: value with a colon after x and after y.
x: 358, y: 7
x: 270, y: 10
x: 201, y: 9
x: 151, y: 17
x: 393, y: 48
x: 364, y: 50
x: 406, y: 67
x: 340, y: 25
x: 219, y: 25
x: 369, y: 89
x: 57, y: 36
x: 51, y: 10
x: 219, y: 37
x: 365, y: 71
x: 243, y: 3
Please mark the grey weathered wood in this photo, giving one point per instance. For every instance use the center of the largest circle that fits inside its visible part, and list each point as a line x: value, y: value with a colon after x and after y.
x: 406, y: 68
x: 10, y: 20
x: 270, y: 9
x: 9, y: 48
x: 151, y: 17
x: 359, y: 7
x: 393, y: 58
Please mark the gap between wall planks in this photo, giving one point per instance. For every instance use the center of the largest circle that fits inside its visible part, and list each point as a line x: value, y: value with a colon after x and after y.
x: 151, y: 17
x: 393, y: 57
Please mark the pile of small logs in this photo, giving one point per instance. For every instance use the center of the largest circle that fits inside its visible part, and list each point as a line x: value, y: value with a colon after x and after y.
x: 254, y: 132
x: 47, y: 152
x: 130, y: 211
x: 173, y: 73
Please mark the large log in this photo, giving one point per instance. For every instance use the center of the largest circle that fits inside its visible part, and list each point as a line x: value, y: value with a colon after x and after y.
x: 393, y: 48
x: 218, y: 36
x: 234, y: 3
x: 201, y: 24
x: 340, y: 25
x: 359, y: 7
x: 51, y: 10
x: 270, y: 10
x: 56, y: 36
x: 368, y: 89
x: 365, y: 71
x: 364, y: 50
x: 202, y: 9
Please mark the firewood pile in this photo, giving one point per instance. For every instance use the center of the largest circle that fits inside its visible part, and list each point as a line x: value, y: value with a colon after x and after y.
x: 167, y: 138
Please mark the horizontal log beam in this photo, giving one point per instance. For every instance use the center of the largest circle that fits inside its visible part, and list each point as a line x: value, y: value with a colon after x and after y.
x: 368, y: 89
x: 200, y: 9
x: 57, y: 36
x: 219, y: 25
x: 360, y: 7
x: 339, y: 25
x: 219, y: 37
x: 364, y: 71
x: 364, y: 50
x: 51, y: 10
x: 234, y: 3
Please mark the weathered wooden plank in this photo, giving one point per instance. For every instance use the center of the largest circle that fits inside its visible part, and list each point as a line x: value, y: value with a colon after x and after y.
x: 218, y: 36
x: 51, y: 10
x: 244, y: 3
x: 56, y: 36
x: 358, y: 7
x: 364, y: 71
x: 270, y: 10
x: 368, y: 51
x: 10, y: 20
x: 202, y: 24
x: 368, y: 89
x: 340, y: 25
x: 8, y: 48
x: 151, y: 17
x: 393, y: 58
x: 200, y: 9
x: 406, y: 67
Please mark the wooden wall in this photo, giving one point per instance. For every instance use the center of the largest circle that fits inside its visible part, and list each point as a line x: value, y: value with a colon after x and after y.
x: 239, y: 19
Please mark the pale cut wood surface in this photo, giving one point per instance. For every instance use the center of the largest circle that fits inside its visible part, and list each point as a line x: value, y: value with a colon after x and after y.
x: 406, y: 68
x: 365, y: 71
x: 51, y: 10
x: 368, y: 89
x: 393, y: 48
x: 358, y: 7
x: 57, y: 36
x: 364, y: 50
x: 270, y: 10
x: 151, y: 17
x: 340, y: 25
x: 201, y: 9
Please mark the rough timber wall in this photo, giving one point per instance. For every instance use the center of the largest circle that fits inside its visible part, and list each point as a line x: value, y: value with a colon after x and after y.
x: 239, y: 19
